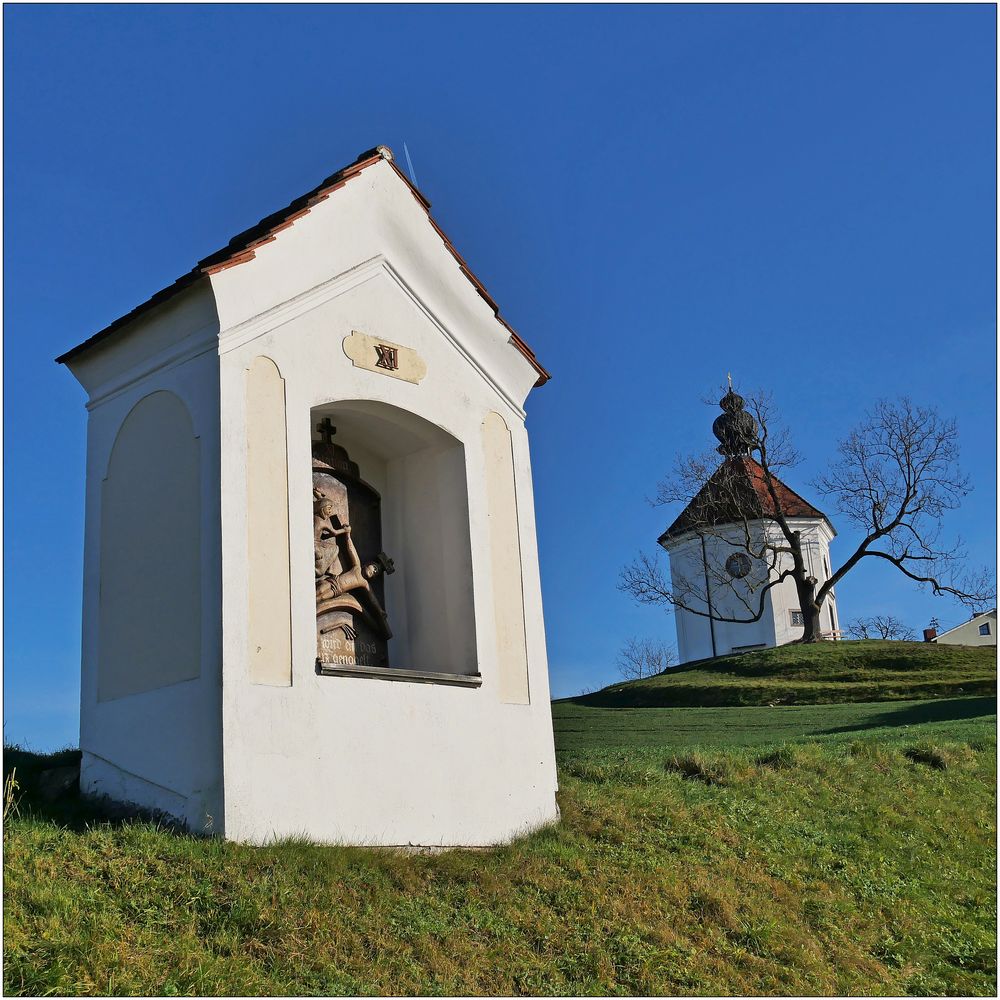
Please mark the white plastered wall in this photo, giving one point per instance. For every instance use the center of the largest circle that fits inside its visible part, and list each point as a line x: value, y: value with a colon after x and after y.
x: 774, y: 628
x: 159, y: 748
x: 149, y: 620
x: 816, y: 538
x: 355, y: 759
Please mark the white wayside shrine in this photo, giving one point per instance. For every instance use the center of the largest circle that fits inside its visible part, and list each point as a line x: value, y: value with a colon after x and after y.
x: 311, y: 592
x: 720, y: 555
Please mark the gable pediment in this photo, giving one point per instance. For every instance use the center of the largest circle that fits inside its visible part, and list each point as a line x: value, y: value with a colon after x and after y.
x: 374, y: 212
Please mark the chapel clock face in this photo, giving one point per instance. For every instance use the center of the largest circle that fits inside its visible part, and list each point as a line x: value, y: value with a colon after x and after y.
x: 738, y: 565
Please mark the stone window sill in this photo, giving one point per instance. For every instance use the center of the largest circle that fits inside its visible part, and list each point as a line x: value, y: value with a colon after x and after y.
x: 395, y: 674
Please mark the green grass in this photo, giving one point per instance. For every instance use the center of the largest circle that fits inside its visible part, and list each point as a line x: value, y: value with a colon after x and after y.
x: 820, y: 673
x: 580, y: 729
x: 839, y: 849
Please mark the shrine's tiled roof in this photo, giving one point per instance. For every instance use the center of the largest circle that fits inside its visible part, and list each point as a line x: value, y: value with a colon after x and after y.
x: 738, y: 491
x: 242, y: 248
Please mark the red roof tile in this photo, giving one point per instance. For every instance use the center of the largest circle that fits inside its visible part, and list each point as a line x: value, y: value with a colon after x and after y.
x: 242, y: 248
x: 738, y: 491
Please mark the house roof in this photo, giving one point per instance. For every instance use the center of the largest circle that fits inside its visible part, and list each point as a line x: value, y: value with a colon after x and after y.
x: 735, y: 492
x: 242, y: 248
x: 982, y: 614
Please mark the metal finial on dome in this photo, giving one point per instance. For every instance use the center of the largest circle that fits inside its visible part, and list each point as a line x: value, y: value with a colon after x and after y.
x: 736, y: 429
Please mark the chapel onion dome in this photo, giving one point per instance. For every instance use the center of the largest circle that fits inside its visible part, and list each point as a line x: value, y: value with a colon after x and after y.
x: 735, y: 428
x: 740, y: 487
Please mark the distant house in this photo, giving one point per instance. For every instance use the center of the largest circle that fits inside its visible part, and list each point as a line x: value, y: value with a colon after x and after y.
x: 979, y: 630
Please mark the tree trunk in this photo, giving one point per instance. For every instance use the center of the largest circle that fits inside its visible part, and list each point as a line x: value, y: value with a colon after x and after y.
x: 812, y: 627
x: 812, y: 631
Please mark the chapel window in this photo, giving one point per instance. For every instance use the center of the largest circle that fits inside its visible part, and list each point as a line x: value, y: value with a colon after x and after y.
x: 984, y: 629
x: 797, y: 618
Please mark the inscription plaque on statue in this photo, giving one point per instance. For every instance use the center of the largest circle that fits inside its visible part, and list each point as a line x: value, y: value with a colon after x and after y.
x: 352, y: 628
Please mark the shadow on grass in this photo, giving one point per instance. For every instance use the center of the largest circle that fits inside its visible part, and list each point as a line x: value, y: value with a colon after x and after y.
x: 706, y: 695
x: 69, y: 810
x: 946, y: 710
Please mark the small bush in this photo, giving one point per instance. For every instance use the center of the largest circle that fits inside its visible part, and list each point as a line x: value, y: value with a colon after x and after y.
x: 927, y: 754
x: 876, y: 756
x: 777, y: 759
x: 695, y: 768
x: 756, y: 936
x: 713, y: 910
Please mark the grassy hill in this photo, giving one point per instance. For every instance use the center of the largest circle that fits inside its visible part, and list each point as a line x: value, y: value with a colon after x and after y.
x: 635, y: 732
x: 824, y: 673
x: 823, y: 849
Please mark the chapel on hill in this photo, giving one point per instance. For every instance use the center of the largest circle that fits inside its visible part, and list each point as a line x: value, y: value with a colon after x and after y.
x: 311, y: 592
x: 721, y: 554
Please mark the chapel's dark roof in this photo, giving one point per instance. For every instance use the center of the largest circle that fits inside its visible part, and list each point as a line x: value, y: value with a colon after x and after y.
x: 735, y: 492
x: 242, y: 248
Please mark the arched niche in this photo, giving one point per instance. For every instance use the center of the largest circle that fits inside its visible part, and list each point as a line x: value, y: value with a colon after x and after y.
x: 149, y: 631
x: 418, y: 471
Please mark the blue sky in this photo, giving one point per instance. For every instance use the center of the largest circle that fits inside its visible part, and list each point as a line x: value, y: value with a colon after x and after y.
x: 804, y: 196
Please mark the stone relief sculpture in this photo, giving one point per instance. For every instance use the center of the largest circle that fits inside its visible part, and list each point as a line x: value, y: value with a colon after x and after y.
x: 332, y: 580
x: 352, y: 628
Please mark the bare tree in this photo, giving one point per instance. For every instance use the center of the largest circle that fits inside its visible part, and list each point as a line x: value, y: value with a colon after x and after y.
x: 644, y: 658
x: 895, y: 478
x: 880, y: 627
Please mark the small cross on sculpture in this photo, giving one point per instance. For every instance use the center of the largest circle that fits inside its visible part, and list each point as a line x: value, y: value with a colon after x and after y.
x: 326, y: 430
x: 387, y: 565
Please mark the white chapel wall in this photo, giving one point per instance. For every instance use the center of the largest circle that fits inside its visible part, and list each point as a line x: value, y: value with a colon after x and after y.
x: 149, y: 630
x: 162, y: 340
x: 698, y: 637
x: 816, y: 538
x: 434, y: 533
x: 379, y: 761
x: 161, y: 747
x: 694, y: 632
x: 269, y: 639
